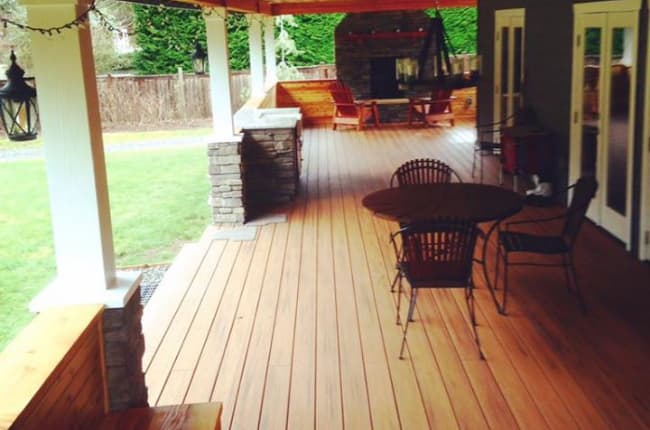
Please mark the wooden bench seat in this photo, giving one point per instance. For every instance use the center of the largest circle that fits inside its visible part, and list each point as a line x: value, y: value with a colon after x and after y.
x: 198, y: 416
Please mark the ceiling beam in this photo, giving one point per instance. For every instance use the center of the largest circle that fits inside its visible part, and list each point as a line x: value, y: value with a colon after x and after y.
x: 293, y: 7
x: 334, y: 6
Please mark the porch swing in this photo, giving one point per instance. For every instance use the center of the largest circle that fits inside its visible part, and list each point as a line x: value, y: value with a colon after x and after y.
x: 449, y: 73
x: 449, y: 70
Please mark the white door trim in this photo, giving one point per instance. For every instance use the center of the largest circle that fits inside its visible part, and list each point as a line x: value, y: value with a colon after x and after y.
x: 619, y: 225
x: 499, y: 17
x: 608, y: 6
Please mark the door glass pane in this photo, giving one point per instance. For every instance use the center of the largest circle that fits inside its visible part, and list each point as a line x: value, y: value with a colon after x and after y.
x: 591, y: 90
x: 518, y: 59
x: 505, y: 70
x: 619, y: 126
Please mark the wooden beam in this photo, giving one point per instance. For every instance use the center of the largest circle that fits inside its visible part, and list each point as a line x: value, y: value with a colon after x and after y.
x: 327, y: 6
x: 295, y: 7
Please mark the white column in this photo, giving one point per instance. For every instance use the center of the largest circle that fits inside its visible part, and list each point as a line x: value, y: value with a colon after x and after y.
x: 74, y: 157
x: 218, y: 57
x: 269, y: 50
x: 256, y: 56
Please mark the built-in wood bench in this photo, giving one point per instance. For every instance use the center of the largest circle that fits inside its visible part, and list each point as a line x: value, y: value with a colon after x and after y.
x: 52, y: 376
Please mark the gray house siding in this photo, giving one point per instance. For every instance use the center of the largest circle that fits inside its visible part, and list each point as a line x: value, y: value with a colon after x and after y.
x: 548, y: 63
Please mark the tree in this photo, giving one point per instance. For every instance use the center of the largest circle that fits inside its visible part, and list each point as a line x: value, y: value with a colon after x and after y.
x: 120, y: 16
x: 285, y: 45
x: 314, y: 39
x: 461, y: 27
x: 13, y: 37
x: 166, y: 38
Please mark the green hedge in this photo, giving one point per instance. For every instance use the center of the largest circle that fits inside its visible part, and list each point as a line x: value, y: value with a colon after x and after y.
x: 166, y: 37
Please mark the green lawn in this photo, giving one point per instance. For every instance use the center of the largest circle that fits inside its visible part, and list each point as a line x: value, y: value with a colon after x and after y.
x: 158, y: 202
x: 117, y: 137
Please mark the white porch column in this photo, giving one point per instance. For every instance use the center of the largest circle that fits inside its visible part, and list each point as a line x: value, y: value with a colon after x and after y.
x: 269, y: 50
x: 76, y: 171
x: 218, y: 57
x: 256, y: 56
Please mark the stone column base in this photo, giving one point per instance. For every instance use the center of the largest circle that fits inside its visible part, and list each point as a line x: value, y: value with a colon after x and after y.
x: 123, y: 350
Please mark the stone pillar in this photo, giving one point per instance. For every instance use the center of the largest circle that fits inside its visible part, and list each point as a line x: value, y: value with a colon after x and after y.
x: 271, y: 166
x: 123, y: 349
x: 225, y: 170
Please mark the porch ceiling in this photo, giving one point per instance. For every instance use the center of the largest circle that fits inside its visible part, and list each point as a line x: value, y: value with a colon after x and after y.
x: 297, y: 7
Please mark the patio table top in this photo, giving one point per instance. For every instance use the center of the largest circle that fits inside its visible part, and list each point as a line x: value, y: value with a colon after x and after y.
x: 477, y: 202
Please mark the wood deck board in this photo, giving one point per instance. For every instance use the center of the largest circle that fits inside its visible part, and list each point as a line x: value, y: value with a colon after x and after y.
x: 297, y: 328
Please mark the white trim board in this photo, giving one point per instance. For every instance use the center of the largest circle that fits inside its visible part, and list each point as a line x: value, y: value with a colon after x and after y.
x: 607, y: 6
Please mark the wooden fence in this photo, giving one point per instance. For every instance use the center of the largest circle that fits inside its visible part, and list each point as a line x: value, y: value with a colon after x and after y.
x: 131, y: 101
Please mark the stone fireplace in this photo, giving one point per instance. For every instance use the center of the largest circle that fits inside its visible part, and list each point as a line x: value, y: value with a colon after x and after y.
x: 367, y: 46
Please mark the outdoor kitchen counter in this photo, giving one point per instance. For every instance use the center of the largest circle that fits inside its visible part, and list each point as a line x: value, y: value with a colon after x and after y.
x: 271, y: 147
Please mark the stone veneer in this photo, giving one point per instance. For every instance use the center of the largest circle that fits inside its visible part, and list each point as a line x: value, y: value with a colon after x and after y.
x: 258, y: 170
x: 225, y: 170
x: 271, y: 167
x: 123, y: 350
x: 353, y: 56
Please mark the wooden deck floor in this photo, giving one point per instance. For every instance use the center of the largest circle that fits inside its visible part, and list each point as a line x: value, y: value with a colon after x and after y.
x: 296, y: 329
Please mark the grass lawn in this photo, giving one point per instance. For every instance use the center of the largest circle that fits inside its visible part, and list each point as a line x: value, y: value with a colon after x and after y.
x: 158, y: 202
x: 117, y: 138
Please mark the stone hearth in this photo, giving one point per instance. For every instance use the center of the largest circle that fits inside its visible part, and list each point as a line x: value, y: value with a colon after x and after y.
x: 367, y: 45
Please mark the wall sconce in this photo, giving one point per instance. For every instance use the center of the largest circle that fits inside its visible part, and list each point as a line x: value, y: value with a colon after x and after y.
x: 18, y: 108
x: 199, y: 59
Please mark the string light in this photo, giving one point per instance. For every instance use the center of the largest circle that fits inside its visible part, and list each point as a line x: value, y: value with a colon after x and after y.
x: 82, y: 19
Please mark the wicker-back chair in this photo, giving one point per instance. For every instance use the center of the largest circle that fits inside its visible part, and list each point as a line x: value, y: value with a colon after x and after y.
x: 423, y: 171
x: 518, y: 242
x: 436, y: 254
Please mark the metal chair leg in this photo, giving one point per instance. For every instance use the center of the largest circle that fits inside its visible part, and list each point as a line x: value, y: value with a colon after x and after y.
x: 399, y: 297
x: 505, y: 283
x: 469, y: 299
x: 408, y: 319
x: 581, y: 301
x: 414, y: 296
x: 496, y: 269
x: 395, y: 280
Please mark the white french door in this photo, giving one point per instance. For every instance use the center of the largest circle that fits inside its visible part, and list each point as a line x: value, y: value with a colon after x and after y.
x: 508, y: 62
x: 602, y: 123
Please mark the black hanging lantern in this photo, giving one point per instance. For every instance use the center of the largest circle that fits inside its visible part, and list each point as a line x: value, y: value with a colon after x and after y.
x: 18, y: 108
x: 199, y: 59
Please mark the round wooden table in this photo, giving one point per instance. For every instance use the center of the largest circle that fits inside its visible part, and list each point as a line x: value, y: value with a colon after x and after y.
x: 413, y: 203
x: 475, y: 202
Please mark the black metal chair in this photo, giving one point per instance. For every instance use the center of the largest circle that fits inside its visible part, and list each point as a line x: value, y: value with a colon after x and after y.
x: 488, y: 139
x: 436, y: 254
x: 517, y: 242
x: 488, y: 143
x: 421, y: 171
